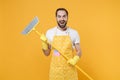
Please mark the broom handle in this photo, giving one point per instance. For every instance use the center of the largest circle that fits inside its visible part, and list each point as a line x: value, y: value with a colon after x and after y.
x: 37, y: 32
x: 67, y: 59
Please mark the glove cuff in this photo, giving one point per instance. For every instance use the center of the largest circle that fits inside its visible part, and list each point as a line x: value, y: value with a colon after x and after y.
x: 44, y: 45
x: 43, y: 38
x: 76, y: 58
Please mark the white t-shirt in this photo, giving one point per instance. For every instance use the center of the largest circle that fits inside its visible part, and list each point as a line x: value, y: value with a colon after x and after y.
x: 75, y: 38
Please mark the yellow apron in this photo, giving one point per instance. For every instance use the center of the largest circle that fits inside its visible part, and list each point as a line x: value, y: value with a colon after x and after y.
x: 59, y: 68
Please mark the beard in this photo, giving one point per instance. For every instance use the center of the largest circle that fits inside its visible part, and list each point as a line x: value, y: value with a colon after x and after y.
x: 62, y: 23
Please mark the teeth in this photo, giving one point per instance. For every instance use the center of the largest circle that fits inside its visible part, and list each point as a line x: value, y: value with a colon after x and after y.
x: 62, y: 22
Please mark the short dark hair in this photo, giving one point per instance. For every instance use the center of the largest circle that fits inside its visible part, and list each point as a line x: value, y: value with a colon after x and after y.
x: 62, y: 9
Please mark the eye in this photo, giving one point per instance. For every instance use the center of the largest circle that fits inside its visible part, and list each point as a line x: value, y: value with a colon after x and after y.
x: 64, y: 16
x: 58, y: 16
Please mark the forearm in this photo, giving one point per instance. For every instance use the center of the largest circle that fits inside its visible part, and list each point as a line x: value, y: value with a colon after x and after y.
x: 79, y: 53
x: 47, y: 51
x: 78, y: 50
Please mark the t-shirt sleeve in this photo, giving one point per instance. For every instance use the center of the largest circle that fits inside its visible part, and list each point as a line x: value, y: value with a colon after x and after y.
x: 77, y: 38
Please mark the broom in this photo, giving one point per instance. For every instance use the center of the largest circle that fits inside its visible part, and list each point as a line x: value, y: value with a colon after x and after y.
x: 31, y: 26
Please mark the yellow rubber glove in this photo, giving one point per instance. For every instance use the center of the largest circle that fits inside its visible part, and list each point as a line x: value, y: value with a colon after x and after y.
x: 74, y: 60
x: 44, y: 42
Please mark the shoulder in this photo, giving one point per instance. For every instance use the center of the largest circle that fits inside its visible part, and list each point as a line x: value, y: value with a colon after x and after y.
x: 51, y: 30
x: 73, y: 31
x: 75, y: 37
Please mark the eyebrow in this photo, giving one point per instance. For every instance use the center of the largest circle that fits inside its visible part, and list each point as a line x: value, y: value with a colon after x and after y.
x: 60, y: 15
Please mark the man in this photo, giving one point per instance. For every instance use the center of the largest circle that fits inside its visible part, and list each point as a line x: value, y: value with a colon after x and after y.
x: 63, y: 40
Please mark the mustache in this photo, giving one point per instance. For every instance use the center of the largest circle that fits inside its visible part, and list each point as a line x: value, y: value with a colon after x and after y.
x: 62, y: 21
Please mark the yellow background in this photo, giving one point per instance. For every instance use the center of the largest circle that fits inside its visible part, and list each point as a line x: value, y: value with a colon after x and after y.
x: 97, y: 22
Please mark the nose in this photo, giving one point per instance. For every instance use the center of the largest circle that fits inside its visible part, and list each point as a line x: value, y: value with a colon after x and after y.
x: 62, y: 18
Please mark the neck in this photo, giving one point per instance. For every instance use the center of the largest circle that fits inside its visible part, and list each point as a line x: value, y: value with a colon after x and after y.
x: 62, y: 29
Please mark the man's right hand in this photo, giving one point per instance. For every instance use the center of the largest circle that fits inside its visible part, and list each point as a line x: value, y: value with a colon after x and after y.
x: 44, y: 42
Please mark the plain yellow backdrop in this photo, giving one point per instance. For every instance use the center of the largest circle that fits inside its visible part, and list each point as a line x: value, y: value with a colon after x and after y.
x: 97, y: 22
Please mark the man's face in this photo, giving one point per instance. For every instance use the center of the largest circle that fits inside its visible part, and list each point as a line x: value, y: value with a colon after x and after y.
x: 61, y: 18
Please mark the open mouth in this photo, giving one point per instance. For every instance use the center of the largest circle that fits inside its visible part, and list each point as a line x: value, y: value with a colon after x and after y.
x: 62, y: 22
